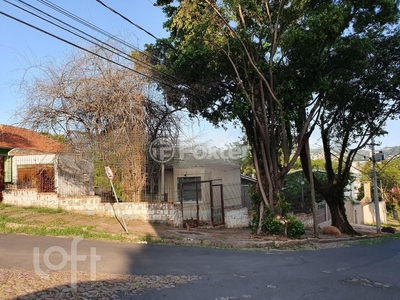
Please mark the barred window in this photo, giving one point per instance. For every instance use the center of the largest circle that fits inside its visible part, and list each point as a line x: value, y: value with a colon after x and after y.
x: 187, y: 188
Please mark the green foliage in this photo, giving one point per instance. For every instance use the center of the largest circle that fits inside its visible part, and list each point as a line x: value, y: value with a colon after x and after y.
x: 335, y: 63
x: 388, y: 176
x: 44, y: 210
x: 255, y: 196
x: 254, y: 221
x: 247, y: 165
x: 272, y: 225
x: 256, y: 199
x: 295, y: 227
x: 282, y: 207
x: 57, y: 137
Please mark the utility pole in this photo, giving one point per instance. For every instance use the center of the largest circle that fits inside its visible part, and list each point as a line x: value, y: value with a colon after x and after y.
x: 375, y: 158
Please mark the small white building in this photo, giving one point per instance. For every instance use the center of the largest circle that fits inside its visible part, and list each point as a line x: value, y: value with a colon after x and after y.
x: 30, y: 160
x: 209, y: 191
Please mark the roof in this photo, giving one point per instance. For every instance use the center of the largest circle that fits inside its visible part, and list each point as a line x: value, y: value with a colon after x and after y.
x: 248, y: 178
x: 15, y: 137
x: 216, y: 164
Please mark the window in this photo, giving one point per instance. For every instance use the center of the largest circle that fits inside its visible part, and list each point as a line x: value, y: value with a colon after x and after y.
x: 36, y: 176
x: 187, y: 189
x: 7, y: 169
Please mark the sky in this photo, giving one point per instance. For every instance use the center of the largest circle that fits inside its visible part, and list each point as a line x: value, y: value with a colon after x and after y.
x: 22, y: 46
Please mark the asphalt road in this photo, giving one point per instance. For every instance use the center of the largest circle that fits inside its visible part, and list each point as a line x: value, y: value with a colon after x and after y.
x: 356, y: 272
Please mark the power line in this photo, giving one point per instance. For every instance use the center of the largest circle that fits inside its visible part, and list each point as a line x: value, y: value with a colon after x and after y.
x: 141, y: 28
x: 179, y: 81
x: 77, y: 46
x: 125, y: 55
x: 178, y: 85
x: 84, y: 49
x: 92, y: 26
x: 150, y: 34
x: 126, y: 19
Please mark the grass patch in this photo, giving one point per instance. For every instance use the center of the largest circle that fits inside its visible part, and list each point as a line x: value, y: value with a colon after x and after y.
x: 379, y: 239
x: 69, y: 231
x: 5, y: 206
x: 44, y: 210
x: 56, y: 222
x: 7, y: 219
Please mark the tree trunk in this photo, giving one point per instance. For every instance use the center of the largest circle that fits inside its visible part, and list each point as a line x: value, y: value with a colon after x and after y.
x: 339, y: 218
x: 261, y: 217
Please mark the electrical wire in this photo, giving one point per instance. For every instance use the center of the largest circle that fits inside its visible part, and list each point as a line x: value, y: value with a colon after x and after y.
x: 129, y: 21
x: 173, y: 83
x: 124, y: 55
x: 141, y: 28
x: 74, y: 17
x: 183, y: 88
x: 82, y: 48
x: 93, y: 27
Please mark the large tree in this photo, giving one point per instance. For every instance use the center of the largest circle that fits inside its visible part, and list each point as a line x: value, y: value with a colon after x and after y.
x: 262, y: 63
x: 103, y: 110
x: 360, y: 93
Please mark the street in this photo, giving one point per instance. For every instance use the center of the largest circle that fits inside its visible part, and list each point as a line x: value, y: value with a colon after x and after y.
x: 356, y: 272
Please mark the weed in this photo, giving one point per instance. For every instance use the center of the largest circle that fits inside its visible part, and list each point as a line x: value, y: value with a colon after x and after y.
x: 44, y: 210
x: 380, y: 239
x: 146, y: 238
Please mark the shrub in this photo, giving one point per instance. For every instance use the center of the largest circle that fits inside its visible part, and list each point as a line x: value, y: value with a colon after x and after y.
x: 256, y: 199
x: 295, y: 228
x: 254, y: 222
x: 272, y: 226
x: 282, y: 207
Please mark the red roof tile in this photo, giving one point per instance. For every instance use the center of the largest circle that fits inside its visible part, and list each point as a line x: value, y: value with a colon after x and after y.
x: 15, y: 137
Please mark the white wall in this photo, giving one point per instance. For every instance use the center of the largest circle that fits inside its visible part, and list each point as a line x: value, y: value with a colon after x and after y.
x: 146, y: 211
x: 369, y: 213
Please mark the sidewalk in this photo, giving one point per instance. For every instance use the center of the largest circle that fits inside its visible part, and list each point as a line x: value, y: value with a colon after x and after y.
x: 243, y: 238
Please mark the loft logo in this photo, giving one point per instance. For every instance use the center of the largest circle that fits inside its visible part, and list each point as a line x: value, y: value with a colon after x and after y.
x: 73, y: 258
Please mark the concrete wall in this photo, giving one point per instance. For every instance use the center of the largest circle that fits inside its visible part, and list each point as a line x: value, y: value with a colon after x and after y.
x: 146, y: 211
x: 354, y: 213
x: 160, y: 212
x: 369, y: 213
x: 154, y: 212
x: 365, y: 214
x: 237, y: 218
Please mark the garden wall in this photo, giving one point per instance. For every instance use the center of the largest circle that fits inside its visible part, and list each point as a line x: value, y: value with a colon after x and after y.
x: 153, y: 212
x: 160, y: 212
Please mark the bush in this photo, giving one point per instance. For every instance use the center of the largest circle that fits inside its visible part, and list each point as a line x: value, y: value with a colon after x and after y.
x: 295, y: 228
x: 272, y: 226
x: 254, y: 222
x: 282, y: 207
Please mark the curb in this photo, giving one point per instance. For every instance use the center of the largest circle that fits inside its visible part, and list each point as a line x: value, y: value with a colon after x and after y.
x: 241, y: 244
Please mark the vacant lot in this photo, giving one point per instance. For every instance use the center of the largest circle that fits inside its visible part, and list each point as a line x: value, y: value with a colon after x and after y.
x: 56, y: 222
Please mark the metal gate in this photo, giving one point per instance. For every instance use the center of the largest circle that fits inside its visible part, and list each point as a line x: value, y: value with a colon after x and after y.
x: 205, y: 203
x: 217, y: 205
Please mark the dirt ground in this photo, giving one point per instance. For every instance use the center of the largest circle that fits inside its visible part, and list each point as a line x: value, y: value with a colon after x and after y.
x: 110, y: 225
x: 143, y: 231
